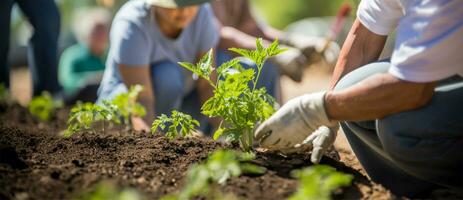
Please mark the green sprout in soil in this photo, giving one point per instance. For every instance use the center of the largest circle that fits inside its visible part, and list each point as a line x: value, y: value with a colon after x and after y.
x: 202, y: 179
x: 4, y: 94
x: 239, y: 105
x: 178, y: 124
x: 108, y: 190
x: 318, y: 182
x: 84, y: 116
x: 43, y: 107
x: 127, y: 105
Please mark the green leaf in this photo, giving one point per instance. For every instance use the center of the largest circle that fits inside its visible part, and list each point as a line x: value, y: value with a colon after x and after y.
x: 4, y: 94
x: 222, y: 70
x: 127, y: 106
x: 248, y: 168
x: 84, y: 115
x: 218, y: 133
x: 43, y: 107
x: 318, y: 182
x: 177, y: 121
x: 203, y: 68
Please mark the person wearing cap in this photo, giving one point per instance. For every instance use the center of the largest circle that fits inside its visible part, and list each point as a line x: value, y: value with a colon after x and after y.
x: 81, y: 65
x: 147, y: 39
x: 239, y: 28
x: 402, y: 117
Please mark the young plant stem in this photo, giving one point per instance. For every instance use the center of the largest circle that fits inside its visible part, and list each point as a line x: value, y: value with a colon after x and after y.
x: 104, y: 127
x: 247, y: 133
x: 259, y: 70
x: 129, y: 123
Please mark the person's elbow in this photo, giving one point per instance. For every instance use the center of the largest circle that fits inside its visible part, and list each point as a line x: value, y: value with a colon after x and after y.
x: 420, y: 95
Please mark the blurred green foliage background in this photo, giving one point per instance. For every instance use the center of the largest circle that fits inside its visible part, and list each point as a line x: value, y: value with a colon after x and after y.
x: 280, y: 13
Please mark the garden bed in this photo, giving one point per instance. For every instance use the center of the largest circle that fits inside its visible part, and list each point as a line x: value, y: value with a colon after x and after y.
x: 37, y: 163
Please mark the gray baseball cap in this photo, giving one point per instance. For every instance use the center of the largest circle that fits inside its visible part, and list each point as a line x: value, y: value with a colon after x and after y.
x: 175, y: 3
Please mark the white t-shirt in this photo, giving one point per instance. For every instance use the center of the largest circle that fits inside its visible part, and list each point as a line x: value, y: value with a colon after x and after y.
x: 429, y: 43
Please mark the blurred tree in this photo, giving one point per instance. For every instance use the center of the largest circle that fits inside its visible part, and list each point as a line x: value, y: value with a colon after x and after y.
x: 280, y: 13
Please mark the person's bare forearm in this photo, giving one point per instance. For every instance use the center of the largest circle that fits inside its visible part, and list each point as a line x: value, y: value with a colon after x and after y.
x: 231, y: 37
x: 271, y: 33
x: 360, y: 48
x: 376, y: 97
x: 148, y: 103
x: 133, y: 75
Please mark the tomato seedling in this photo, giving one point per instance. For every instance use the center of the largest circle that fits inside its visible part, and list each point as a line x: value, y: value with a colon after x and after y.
x: 220, y: 166
x: 239, y: 105
x: 178, y: 124
x: 83, y: 116
x: 127, y: 105
x: 318, y: 182
x: 43, y: 107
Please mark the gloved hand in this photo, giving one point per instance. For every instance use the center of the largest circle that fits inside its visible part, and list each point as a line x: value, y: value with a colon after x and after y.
x: 313, y: 47
x: 319, y: 142
x: 300, y: 124
x: 290, y: 63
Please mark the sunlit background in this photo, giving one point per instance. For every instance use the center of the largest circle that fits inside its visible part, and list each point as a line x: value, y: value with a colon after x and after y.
x: 308, y: 17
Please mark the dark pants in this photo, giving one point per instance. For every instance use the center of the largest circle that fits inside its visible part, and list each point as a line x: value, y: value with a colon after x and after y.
x: 42, y: 52
x: 415, y: 151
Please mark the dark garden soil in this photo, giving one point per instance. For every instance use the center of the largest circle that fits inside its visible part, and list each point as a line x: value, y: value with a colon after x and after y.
x: 36, y: 163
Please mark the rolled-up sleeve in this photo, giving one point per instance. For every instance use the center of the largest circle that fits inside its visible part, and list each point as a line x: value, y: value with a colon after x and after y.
x: 380, y: 16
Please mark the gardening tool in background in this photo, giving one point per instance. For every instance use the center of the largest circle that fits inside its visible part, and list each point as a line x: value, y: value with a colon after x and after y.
x: 317, y: 49
x: 328, y: 52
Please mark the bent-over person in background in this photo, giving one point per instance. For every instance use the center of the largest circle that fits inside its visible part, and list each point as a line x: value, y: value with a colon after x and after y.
x: 147, y: 39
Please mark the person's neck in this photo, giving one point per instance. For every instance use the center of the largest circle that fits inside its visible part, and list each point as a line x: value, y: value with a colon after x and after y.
x: 166, y: 28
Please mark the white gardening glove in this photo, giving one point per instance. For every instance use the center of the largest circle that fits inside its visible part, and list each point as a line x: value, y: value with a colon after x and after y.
x: 290, y: 63
x: 295, y: 126
x: 319, y: 142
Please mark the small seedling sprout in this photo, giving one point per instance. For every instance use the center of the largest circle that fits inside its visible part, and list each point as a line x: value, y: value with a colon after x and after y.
x: 108, y: 190
x: 318, y: 182
x: 83, y: 116
x: 43, y: 107
x: 178, y: 124
x: 128, y: 106
x: 220, y: 166
x: 4, y: 94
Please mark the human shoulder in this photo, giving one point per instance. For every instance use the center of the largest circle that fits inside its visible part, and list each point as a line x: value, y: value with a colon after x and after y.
x: 74, y: 53
x: 134, y: 12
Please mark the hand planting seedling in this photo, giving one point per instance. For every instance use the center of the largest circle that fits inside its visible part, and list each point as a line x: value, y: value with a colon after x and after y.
x: 318, y: 182
x: 43, y: 107
x: 127, y: 105
x: 176, y: 121
x: 83, y: 116
x: 239, y: 105
x: 220, y: 166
